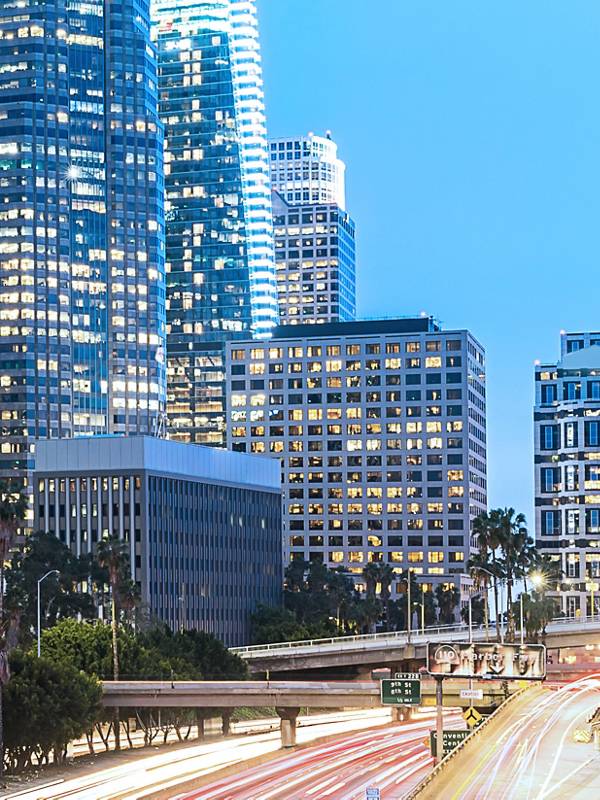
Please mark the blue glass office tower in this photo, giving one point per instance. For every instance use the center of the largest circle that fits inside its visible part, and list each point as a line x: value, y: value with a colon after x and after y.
x: 219, y: 228
x: 82, y: 291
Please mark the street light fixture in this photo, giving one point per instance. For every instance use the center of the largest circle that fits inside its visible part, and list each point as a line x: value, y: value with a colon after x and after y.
x: 39, y: 612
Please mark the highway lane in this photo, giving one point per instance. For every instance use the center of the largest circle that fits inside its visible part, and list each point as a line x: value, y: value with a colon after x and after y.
x: 394, y: 758
x: 531, y: 755
x: 132, y: 775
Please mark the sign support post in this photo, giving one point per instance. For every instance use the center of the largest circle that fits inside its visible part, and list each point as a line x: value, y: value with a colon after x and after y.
x: 439, y: 725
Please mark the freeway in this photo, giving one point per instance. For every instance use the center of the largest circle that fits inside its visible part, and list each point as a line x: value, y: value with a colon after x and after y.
x: 529, y: 752
x: 133, y: 775
x: 393, y: 758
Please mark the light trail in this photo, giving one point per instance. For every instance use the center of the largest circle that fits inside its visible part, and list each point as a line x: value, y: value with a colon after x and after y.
x: 138, y: 775
x: 387, y: 757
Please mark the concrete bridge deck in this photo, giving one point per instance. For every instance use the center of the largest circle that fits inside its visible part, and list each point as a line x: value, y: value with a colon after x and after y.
x: 394, y: 648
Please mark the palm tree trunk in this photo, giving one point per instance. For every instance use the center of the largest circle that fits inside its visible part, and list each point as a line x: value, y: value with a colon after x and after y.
x: 115, y: 645
x: 486, y: 614
x: 509, y: 610
x: 498, y: 610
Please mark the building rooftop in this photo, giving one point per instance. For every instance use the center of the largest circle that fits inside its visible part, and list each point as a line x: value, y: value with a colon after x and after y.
x: 585, y: 358
x: 97, y: 454
x: 359, y: 327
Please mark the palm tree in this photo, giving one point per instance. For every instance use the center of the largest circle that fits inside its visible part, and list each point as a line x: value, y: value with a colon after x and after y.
x: 112, y: 554
x: 487, y: 529
x: 13, y: 506
x: 480, y: 570
x: 513, y: 537
x: 525, y: 560
x: 386, y: 576
x: 447, y: 599
x: 371, y: 574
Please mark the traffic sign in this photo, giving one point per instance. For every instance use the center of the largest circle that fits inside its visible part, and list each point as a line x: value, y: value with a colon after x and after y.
x: 472, y: 717
x: 401, y: 691
x: 372, y: 793
x: 451, y: 739
x: 486, y: 660
x: 471, y: 694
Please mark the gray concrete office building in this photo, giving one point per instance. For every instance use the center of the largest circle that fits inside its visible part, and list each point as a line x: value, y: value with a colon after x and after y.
x: 203, y: 525
x: 380, y: 427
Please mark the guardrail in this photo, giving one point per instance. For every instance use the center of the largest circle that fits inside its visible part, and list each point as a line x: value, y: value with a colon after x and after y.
x: 415, y: 792
x: 402, y: 637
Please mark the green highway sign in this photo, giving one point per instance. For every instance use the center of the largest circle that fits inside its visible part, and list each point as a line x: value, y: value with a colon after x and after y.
x: 451, y: 740
x: 401, y: 691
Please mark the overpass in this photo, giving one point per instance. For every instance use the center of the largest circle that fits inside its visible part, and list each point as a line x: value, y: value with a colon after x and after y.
x: 287, y: 697
x: 358, y: 655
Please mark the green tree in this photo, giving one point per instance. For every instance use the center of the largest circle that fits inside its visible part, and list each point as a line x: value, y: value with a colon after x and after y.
x: 112, y: 554
x: 478, y: 611
x: 487, y: 529
x: 207, y: 658
x: 512, y: 539
x: 47, y: 704
x: 271, y: 625
x: 480, y: 569
x: 13, y: 507
x: 447, y: 599
x: 60, y: 594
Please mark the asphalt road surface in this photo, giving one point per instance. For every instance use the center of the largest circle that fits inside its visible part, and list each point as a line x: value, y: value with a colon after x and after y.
x: 392, y: 758
x: 532, y: 755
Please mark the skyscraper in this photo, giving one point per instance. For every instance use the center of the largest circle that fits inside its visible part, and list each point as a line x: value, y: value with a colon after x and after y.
x: 567, y: 470
x: 314, y: 234
x: 306, y: 169
x: 82, y: 293
x: 220, y: 261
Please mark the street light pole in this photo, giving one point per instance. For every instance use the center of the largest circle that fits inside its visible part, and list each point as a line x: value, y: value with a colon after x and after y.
x: 39, y: 607
x: 521, y: 598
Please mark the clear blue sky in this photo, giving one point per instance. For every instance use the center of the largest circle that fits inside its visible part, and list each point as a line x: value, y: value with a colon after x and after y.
x: 471, y: 134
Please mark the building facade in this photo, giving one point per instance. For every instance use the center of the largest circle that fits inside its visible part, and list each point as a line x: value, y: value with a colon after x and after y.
x: 314, y: 235
x: 82, y: 291
x: 567, y: 469
x: 306, y: 169
x: 219, y: 229
x: 316, y: 262
x: 203, y: 525
x: 380, y: 427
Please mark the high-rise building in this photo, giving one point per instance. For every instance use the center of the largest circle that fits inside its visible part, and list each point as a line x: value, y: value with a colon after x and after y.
x: 203, y: 525
x: 567, y: 469
x: 306, y: 169
x: 219, y: 227
x: 314, y: 234
x: 380, y: 427
x: 82, y: 292
x: 315, y: 259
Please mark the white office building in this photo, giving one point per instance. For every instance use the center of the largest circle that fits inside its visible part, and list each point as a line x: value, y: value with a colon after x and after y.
x: 567, y: 468
x: 306, y: 169
x: 381, y: 431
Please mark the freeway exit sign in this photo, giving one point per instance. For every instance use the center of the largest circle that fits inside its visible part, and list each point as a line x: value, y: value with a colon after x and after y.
x: 451, y: 740
x: 402, y: 690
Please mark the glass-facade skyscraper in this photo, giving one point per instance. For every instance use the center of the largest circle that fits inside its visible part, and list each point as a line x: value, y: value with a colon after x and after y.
x: 219, y: 229
x: 82, y: 290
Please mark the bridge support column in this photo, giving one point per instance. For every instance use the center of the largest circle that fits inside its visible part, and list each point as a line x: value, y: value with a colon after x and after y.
x: 288, y: 718
x: 226, y: 722
x: 401, y: 713
x: 200, y: 724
